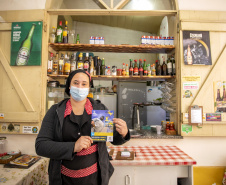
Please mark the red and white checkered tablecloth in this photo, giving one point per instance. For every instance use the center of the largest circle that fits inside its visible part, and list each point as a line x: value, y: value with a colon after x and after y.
x: 153, y: 155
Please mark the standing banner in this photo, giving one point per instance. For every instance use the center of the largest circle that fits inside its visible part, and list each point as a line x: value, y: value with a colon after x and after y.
x: 196, y: 46
x: 26, y: 43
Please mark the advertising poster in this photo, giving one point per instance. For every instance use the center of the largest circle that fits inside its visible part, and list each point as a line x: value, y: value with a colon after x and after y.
x: 219, y: 96
x: 196, y: 46
x: 102, y: 125
x: 26, y: 43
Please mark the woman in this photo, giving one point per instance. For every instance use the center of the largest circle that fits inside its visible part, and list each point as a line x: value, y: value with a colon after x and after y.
x: 65, y: 137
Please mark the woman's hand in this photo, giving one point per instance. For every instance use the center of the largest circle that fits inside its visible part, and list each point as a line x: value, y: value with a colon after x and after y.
x: 121, y: 126
x: 83, y: 142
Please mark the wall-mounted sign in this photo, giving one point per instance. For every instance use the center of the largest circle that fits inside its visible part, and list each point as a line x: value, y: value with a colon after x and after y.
x: 186, y: 128
x: 213, y: 117
x: 26, y: 43
x: 191, y: 78
x: 30, y: 129
x: 196, y: 46
x: 190, y: 85
x: 219, y: 96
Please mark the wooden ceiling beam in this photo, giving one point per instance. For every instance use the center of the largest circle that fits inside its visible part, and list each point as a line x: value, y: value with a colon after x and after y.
x: 95, y: 12
x: 121, y: 4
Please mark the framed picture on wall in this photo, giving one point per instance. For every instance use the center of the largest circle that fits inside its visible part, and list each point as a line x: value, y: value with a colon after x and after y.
x: 196, y: 47
x: 26, y: 43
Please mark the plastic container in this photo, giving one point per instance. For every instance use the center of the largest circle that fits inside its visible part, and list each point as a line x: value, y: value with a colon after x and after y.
x: 119, y: 72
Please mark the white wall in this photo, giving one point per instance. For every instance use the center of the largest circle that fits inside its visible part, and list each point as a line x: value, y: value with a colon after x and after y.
x: 205, y: 5
x: 21, y: 4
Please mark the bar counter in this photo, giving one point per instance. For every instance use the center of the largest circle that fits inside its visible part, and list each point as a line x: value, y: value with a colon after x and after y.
x: 153, y: 165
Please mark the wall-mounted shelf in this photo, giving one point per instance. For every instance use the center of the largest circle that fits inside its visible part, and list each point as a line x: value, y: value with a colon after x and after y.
x: 123, y: 78
x: 113, y: 48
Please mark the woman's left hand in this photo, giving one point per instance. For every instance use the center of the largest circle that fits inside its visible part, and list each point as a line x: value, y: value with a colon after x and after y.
x: 121, y: 126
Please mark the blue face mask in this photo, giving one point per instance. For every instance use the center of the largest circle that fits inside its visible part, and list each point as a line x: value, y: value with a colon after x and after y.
x: 79, y: 94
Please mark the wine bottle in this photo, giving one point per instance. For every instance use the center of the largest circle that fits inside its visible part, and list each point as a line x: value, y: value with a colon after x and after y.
x: 25, y: 49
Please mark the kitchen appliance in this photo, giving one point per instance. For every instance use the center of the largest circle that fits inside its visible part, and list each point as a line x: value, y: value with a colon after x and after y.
x: 128, y: 94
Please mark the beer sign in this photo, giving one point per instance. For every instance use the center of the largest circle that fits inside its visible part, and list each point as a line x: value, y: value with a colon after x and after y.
x: 26, y: 43
x: 196, y: 47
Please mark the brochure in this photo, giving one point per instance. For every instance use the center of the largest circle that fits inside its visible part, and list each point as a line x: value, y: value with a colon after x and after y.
x: 102, y: 125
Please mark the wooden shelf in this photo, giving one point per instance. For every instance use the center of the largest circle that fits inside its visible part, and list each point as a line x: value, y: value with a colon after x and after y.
x: 123, y: 78
x: 113, y: 48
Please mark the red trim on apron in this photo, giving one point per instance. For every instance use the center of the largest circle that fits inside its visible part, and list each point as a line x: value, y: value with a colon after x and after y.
x: 79, y: 173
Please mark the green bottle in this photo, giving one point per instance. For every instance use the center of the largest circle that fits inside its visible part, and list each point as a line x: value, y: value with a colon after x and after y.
x: 25, y: 49
x: 145, y: 70
x: 102, y: 69
x: 77, y: 39
x: 60, y: 33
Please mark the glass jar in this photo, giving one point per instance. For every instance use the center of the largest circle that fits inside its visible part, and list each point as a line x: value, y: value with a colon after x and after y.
x: 3, y: 146
x: 172, y: 126
x: 119, y: 72
x: 113, y: 70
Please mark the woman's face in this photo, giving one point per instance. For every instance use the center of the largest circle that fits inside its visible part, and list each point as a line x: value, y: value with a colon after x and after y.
x: 80, y: 80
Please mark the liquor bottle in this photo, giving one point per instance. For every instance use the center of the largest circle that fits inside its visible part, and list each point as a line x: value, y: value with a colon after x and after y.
x: 131, y: 68
x: 98, y: 66
x: 55, y: 64
x: 91, y: 66
x: 140, y: 70
x: 90, y: 59
x: 153, y: 71
x: 123, y: 69
x: 174, y: 67
x: 61, y: 65
x: 80, y: 62
x: 86, y: 63
x: 50, y: 64
x: 224, y: 93
x: 164, y: 67
x: 149, y: 70
x: 127, y: 70
x: 102, y: 69
x: 52, y: 35
x: 25, y: 48
x: 77, y: 39
x: 106, y: 70
x: 189, y: 56
x: 169, y: 67
x: 65, y: 33
x: 67, y: 65
x: 135, y: 69
x: 218, y: 95
x: 60, y: 33
x: 158, y: 68
x: 73, y: 62
x: 145, y: 71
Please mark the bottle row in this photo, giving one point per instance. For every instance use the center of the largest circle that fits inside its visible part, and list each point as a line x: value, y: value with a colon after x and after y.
x: 61, y: 35
x: 157, y: 40
x: 64, y: 64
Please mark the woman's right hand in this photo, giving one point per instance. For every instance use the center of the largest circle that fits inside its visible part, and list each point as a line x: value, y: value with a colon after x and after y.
x: 83, y: 142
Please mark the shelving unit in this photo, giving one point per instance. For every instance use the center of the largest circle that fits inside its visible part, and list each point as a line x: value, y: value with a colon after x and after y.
x: 113, y: 48
x: 123, y: 78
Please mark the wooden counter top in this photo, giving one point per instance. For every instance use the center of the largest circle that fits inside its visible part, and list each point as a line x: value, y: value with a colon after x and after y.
x: 153, y: 155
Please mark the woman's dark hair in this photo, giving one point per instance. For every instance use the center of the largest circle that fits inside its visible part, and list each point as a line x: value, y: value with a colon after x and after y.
x: 68, y: 82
